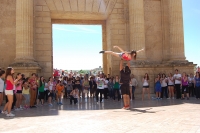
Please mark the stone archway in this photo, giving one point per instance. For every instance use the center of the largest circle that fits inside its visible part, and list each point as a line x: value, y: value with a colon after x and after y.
x: 48, y: 12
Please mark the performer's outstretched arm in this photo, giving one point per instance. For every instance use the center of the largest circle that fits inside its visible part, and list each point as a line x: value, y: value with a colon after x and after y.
x: 119, y: 49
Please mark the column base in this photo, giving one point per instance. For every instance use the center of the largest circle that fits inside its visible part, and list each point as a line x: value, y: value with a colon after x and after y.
x: 170, y: 63
x: 26, y: 68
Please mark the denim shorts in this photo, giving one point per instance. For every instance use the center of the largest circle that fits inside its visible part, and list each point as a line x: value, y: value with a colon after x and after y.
x: 120, y: 55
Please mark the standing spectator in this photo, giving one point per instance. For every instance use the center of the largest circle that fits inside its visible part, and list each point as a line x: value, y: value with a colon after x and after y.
x: 177, y: 78
x: 77, y: 84
x: 93, y: 86
x: 110, y: 87
x: 59, y: 92
x: 158, y: 87
x: 65, y: 79
x: 18, y: 90
x: 26, y: 94
x: 86, y: 86
x: 106, y: 88
x: 125, y: 82
x: 69, y: 87
x: 41, y: 91
x: 100, y: 87
x: 185, y: 86
x: 145, y: 82
x: 116, y: 87
x: 191, y: 85
x: 33, y: 90
x: 170, y: 80
x: 197, y: 85
x: 164, y: 86
x: 50, y: 90
x: 133, y: 85
x: 45, y: 91
x: 9, y: 90
x: 2, y: 76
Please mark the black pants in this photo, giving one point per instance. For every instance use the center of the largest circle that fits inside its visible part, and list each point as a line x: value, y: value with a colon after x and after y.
x: 46, y: 95
x: 191, y: 90
x: 97, y: 94
x: 118, y: 95
x: 72, y: 98
x: 178, y: 91
x: 105, y: 93
x: 14, y: 100
x: 164, y: 90
x: 197, y: 92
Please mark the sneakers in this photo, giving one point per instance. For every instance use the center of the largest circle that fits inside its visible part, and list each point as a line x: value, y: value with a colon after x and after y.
x: 10, y: 115
x: 169, y: 98
x: 17, y: 109
x: 172, y: 97
x: 50, y: 104
x: 4, y: 112
x: 101, y: 52
x: 126, y: 107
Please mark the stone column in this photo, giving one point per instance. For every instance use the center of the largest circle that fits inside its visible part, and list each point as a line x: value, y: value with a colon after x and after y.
x: 24, y: 61
x: 176, y: 30
x: 137, y: 29
x: 24, y: 30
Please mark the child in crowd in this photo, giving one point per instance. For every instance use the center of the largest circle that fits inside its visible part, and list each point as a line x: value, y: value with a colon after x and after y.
x: 59, y: 92
x: 26, y: 94
x: 74, y: 95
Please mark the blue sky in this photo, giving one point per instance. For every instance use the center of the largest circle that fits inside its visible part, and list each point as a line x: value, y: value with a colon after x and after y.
x: 77, y: 46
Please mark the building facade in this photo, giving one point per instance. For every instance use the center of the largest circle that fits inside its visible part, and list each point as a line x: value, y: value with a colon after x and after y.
x: 156, y: 25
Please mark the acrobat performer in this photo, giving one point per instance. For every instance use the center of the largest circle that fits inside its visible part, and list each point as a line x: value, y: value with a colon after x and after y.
x: 124, y: 55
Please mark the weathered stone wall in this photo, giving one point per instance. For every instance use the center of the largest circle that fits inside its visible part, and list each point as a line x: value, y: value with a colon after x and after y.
x: 43, y: 52
x: 116, y: 34
x: 7, y: 32
x: 153, y: 30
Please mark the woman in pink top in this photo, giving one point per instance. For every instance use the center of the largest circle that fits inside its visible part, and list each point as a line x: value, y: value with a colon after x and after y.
x: 124, y: 55
x: 185, y: 88
x: 9, y: 90
x: 18, y: 90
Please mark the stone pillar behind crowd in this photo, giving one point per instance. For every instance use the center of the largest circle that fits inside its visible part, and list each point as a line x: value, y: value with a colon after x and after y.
x: 24, y: 61
x: 137, y: 29
x: 176, y: 30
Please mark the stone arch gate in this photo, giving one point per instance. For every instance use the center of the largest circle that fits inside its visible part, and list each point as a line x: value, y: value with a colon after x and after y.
x: 156, y: 25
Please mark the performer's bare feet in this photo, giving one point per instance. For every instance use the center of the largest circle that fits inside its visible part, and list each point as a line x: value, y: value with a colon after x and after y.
x: 102, y: 52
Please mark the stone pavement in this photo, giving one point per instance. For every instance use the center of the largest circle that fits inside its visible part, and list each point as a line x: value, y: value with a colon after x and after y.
x: 148, y: 116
